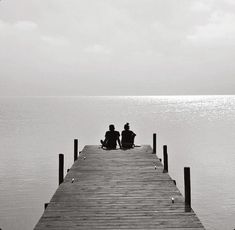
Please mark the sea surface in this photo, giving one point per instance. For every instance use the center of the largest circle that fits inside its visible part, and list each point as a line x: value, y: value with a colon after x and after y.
x: 199, y: 132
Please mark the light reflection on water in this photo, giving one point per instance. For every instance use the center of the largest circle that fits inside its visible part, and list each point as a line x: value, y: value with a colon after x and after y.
x: 199, y: 132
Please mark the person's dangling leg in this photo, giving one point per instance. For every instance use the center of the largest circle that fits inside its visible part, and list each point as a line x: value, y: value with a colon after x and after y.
x: 103, y: 144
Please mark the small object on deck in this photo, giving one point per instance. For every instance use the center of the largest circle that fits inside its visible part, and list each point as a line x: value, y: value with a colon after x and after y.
x: 174, y: 181
x: 160, y: 159
x: 155, y: 167
x: 172, y: 200
x: 72, y: 180
x: 68, y: 170
x: 84, y: 158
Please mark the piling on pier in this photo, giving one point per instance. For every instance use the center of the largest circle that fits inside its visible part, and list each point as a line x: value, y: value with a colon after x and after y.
x: 75, y: 149
x: 165, y: 159
x: 154, y: 143
x: 61, y: 168
x: 187, y: 187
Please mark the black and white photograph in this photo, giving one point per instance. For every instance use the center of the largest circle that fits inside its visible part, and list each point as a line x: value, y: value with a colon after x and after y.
x: 117, y: 114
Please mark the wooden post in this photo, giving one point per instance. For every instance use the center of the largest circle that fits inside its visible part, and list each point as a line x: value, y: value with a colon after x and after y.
x: 75, y: 149
x: 61, y: 168
x: 45, y: 205
x: 165, y: 158
x: 187, y: 187
x: 154, y: 143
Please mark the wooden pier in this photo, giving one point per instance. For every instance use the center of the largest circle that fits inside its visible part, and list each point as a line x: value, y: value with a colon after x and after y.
x: 118, y: 189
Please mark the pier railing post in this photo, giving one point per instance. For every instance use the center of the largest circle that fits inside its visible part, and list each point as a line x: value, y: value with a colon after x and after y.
x: 75, y: 149
x: 154, y: 143
x: 165, y: 159
x: 61, y: 168
x: 45, y: 205
x: 187, y: 187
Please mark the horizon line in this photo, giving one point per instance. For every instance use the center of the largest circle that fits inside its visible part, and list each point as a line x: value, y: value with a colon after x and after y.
x: 176, y: 95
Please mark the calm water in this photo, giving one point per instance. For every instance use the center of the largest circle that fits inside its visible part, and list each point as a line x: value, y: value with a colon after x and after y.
x: 199, y: 132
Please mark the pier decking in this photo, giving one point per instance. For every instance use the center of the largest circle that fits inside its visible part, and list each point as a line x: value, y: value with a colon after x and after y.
x: 117, y: 189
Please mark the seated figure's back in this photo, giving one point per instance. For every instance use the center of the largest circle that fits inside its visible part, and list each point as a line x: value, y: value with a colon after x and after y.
x: 127, y: 137
x: 112, y: 137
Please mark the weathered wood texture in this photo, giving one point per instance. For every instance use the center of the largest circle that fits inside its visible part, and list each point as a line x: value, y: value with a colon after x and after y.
x: 117, y: 189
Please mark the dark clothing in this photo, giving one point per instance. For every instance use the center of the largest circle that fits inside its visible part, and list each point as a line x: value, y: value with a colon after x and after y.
x: 127, y: 139
x: 111, y: 138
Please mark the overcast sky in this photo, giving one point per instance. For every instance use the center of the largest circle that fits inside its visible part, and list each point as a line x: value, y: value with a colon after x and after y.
x: 117, y: 47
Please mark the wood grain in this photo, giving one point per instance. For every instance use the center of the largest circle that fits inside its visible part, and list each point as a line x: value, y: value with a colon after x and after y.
x: 117, y: 189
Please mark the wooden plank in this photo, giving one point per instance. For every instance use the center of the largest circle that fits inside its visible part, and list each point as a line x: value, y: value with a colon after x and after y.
x: 117, y: 189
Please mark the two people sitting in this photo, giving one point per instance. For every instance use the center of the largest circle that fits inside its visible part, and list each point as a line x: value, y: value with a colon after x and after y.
x: 112, y: 137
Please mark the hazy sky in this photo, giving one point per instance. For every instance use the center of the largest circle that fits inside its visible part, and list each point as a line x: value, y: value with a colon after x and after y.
x: 117, y: 47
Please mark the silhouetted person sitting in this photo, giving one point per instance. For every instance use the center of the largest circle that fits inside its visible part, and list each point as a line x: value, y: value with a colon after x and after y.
x: 111, y: 138
x: 127, y: 137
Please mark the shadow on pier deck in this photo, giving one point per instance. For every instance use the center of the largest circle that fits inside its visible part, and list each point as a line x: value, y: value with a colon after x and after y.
x: 117, y: 189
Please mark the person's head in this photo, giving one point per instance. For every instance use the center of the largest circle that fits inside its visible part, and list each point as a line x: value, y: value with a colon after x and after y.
x: 126, y: 126
x: 111, y: 128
